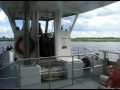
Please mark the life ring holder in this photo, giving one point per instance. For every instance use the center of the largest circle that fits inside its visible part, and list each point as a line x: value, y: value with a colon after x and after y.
x: 19, y: 50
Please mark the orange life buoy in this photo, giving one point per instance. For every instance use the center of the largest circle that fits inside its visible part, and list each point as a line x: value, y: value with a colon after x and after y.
x: 19, y: 50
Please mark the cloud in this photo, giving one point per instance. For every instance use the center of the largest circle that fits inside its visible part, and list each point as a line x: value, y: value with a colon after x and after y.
x: 3, y: 17
x: 7, y: 35
x: 76, y: 34
x: 103, y: 11
x: 6, y: 31
x: 51, y: 26
x: 102, y: 22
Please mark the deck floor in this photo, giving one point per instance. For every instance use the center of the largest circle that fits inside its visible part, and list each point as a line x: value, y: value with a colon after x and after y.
x: 86, y: 82
x: 10, y: 71
x: 66, y: 84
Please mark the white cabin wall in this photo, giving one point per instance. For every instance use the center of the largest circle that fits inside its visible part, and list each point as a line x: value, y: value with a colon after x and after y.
x: 62, y: 38
x: 64, y: 41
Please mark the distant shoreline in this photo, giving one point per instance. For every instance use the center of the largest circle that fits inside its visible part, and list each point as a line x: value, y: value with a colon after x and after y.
x: 95, y: 39
x: 108, y: 39
x: 6, y: 39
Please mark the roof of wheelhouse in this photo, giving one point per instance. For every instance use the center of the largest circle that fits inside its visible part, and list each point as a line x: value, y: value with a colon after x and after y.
x: 16, y: 8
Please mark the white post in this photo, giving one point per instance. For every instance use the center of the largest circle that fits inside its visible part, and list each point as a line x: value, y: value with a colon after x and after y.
x: 58, y: 16
x: 35, y: 32
x: 37, y: 28
x: 26, y: 32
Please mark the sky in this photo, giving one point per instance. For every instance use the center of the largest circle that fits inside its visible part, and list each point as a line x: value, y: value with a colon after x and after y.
x: 102, y: 22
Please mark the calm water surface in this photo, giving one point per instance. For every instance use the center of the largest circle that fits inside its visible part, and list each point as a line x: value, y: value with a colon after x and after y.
x: 92, y: 46
x: 96, y: 46
x: 6, y: 43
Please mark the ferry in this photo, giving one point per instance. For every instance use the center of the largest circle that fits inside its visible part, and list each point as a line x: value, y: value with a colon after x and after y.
x: 43, y: 59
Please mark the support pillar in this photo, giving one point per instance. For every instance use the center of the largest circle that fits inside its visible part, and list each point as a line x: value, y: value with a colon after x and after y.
x: 58, y: 16
x: 35, y: 32
x: 26, y: 32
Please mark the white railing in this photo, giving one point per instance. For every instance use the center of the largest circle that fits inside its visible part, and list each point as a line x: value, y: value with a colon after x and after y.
x: 1, y: 50
x: 18, y: 63
x: 1, y: 55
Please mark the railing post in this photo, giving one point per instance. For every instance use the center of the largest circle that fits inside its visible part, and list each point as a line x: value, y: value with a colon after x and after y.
x: 104, y: 52
x: 92, y: 68
x: 119, y: 55
x: 3, y: 49
x: 78, y: 53
x: 104, y: 62
x: 37, y: 61
x: 19, y: 77
x: 49, y: 76
x: 72, y: 70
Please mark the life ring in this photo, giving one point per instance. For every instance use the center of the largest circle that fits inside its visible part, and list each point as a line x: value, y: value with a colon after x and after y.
x: 19, y: 50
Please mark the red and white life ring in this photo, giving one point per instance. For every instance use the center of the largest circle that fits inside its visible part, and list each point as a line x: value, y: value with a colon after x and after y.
x: 17, y: 45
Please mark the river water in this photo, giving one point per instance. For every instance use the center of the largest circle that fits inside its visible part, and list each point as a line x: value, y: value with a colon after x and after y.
x: 96, y: 46
x: 93, y: 47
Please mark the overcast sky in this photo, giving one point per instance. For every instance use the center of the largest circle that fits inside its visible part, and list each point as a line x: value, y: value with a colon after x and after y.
x: 102, y: 22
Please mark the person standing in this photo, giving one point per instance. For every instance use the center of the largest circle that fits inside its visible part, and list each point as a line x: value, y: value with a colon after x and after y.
x: 114, y: 78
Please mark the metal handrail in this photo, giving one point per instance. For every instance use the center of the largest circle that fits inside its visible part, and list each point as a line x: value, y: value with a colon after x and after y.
x: 108, y: 52
x: 9, y: 78
x: 2, y: 57
x: 42, y: 58
x: 58, y: 71
x: 1, y: 49
x: 50, y: 57
x: 46, y: 58
x: 105, y: 52
x: 8, y: 65
x: 78, y: 49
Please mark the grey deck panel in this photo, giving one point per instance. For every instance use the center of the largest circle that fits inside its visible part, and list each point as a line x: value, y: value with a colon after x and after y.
x: 85, y: 82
